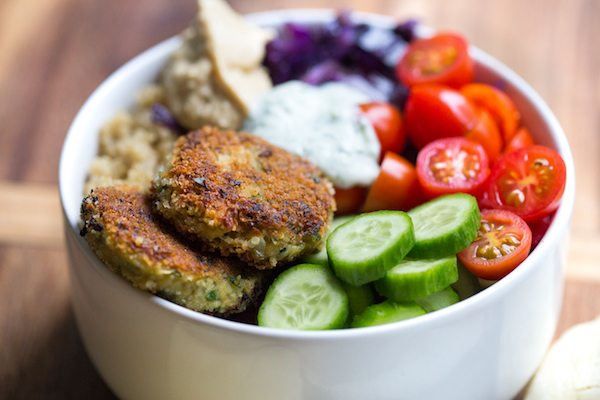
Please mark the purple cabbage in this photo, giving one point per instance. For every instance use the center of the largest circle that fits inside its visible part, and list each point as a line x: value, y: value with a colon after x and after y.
x: 162, y: 116
x: 406, y: 30
x: 341, y: 51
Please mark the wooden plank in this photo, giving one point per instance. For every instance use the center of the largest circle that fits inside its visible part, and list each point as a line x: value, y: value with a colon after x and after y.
x: 41, y: 353
x: 580, y: 304
x: 583, y: 260
x: 50, y: 75
x: 30, y: 215
x: 29, y: 42
x: 55, y: 52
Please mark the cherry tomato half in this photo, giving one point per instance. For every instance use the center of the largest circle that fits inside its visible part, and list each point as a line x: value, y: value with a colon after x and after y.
x: 521, y: 139
x: 396, y: 187
x: 435, y: 111
x: 503, y: 242
x: 452, y: 165
x: 486, y: 133
x: 387, y: 122
x: 498, y: 104
x: 442, y: 59
x: 528, y: 182
x: 349, y: 201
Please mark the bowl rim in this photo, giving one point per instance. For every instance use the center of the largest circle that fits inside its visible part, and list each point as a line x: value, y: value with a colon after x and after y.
x: 472, y: 304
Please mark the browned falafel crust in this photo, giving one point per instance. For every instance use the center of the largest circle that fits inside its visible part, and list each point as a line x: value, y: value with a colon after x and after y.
x: 241, y: 195
x: 120, y: 227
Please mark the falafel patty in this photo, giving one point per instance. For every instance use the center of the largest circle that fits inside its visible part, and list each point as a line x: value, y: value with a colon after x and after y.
x: 243, y: 196
x: 119, y: 226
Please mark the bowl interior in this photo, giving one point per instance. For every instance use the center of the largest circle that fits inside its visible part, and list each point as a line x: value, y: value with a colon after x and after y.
x: 119, y: 92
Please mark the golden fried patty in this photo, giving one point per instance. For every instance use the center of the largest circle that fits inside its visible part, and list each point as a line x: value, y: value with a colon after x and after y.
x: 121, y: 229
x: 241, y: 195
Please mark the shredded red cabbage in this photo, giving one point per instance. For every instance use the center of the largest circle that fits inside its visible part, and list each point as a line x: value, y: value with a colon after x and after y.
x: 161, y: 115
x: 341, y: 51
x: 406, y: 30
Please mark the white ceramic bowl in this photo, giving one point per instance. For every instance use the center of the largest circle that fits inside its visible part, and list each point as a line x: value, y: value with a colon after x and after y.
x: 485, y: 347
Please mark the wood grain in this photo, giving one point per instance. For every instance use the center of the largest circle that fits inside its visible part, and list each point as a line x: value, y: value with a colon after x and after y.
x: 41, y: 354
x: 55, y: 52
x: 30, y: 215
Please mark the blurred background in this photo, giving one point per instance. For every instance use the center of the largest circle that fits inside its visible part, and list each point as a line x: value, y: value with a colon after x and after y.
x: 53, y: 53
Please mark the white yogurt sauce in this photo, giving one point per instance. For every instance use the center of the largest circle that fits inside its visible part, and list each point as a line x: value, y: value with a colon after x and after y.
x: 322, y: 124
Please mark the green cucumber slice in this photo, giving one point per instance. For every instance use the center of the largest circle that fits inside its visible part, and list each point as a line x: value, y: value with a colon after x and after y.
x: 364, y: 248
x: 359, y: 297
x: 386, y: 313
x: 439, y: 300
x: 444, y: 226
x: 467, y: 284
x: 415, y: 279
x: 321, y: 257
x: 305, y: 297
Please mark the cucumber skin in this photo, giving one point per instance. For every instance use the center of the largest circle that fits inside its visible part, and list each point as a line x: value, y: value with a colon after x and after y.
x: 387, y: 288
x: 321, y: 258
x: 359, y: 297
x: 448, y: 245
x: 339, y: 322
x: 377, y: 266
x: 386, y: 313
x: 467, y: 284
x: 431, y: 303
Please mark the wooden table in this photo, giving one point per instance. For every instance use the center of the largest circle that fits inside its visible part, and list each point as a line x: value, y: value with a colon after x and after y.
x: 54, y: 52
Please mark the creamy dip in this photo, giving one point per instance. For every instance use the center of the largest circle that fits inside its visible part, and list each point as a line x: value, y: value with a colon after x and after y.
x: 322, y: 124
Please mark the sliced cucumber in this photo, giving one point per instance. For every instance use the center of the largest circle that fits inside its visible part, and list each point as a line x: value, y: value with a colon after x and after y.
x: 444, y: 226
x: 387, y: 312
x: 305, y: 297
x: 467, y: 284
x: 359, y: 297
x: 415, y: 279
x: 439, y: 300
x: 321, y: 257
x: 364, y: 248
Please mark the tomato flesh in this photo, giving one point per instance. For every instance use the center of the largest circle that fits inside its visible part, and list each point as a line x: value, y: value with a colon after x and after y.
x: 443, y: 59
x: 387, y: 123
x: 435, y: 111
x: 486, y: 133
x: 498, y: 104
x: 521, y: 139
x: 528, y: 182
x: 452, y: 165
x: 349, y: 201
x: 503, y: 242
x: 396, y: 187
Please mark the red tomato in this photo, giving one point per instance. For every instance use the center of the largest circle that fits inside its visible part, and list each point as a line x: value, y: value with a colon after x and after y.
x: 387, y: 123
x: 349, y: 201
x: 498, y: 104
x: 521, y: 139
x: 442, y: 59
x: 539, y: 228
x: 452, y: 165
x: 503, y: 242
x: 396, y: 187
x: 483, y: 200
x: 486, y: 133
x: 528, y: 182
x: 434, y: 112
